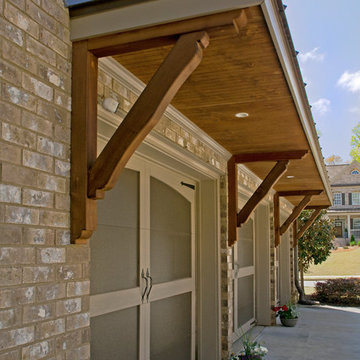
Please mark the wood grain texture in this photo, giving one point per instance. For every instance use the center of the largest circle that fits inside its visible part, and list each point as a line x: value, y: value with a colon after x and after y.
x: 240, y: 72
x: 270, y: 156
x: 232, y: 201
x: 146, y: 112
x: 83, y: 141
x: 274, y: 175
x: 159, y: 35
x: 295, y: 213
x: 310, y: 221
x: 299, y: 193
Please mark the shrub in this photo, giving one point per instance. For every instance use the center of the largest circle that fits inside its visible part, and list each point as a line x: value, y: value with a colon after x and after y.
x: 345, y: 247
x: 358, y: 244
x: 338, y: 291
x: 352, y: 238
x: 352, y: 243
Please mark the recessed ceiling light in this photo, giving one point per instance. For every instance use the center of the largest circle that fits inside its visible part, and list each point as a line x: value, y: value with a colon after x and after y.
x: 290, y: 176
x: 242, y: 115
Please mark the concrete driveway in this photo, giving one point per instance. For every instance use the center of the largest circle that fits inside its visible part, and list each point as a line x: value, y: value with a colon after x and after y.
x: 322, y: 333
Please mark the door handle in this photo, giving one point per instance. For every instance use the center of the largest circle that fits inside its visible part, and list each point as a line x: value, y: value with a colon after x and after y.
x: 151, y: 281
x: 146, y: 285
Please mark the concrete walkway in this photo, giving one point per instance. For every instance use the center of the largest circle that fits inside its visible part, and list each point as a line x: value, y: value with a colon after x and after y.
x: 322, y: 333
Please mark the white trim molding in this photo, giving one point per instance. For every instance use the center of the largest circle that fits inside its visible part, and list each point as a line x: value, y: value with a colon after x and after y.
x: 149, y: 13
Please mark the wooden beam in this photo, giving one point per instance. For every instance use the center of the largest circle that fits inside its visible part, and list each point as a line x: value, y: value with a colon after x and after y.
x: 270, y: 156
x: 277, y: 219
x: 83, y: 140
x: 308, y: 223
x: 295, y: 213
x: 146, y: 112
x: 232, y: 201
x: 240, y: 22
x: 315, y: 207
x: 271, y: 179
x: 300, y: 192
x: 154, y: 36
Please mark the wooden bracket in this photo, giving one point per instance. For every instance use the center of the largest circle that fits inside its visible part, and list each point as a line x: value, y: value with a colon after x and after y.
x: 309, y: 222
x: 271, y: 179
x: 91, y: 176
x: 182, y: 60
x: 282, y: 160
x: 280, y: 230
x: 295, y: 213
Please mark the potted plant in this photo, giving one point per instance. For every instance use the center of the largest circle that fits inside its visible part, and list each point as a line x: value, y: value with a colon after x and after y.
x: 252, y: 350
x: 288, y: 314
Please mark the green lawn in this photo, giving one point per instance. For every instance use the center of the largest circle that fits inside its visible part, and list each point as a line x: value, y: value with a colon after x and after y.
x: 340, y: 262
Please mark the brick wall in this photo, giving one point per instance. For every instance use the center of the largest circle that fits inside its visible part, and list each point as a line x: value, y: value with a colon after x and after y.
x: 44, y: 282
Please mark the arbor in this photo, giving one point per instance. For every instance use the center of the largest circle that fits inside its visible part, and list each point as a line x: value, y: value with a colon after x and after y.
x: 315, y: 245
x: 355, y: 143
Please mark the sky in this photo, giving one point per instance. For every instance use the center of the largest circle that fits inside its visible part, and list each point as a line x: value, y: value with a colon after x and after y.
x: 327, y: 35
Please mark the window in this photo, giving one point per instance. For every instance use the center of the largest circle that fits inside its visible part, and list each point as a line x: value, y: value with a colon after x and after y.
x: 355, y: 197
x: 355, y: 172
x: 337, y: 199
x: 356, y: 224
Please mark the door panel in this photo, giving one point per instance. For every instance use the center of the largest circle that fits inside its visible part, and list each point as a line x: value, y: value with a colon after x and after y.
x: 116, y: 251
x: 245, y: 303
x: 170, y: 235
x: 170, y: 332
x: 244, y: 279
x: 115, y: 335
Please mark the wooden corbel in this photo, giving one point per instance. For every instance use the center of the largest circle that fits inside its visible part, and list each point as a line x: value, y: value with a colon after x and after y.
x: 280, y: 230
x: 91, y: 176
x: 235, y: 218
x: 310, y: 221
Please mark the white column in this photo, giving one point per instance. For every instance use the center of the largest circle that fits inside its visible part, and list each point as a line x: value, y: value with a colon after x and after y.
x: 349, y: 226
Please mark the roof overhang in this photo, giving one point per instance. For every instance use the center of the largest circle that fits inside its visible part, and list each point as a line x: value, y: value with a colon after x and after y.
x: 250, y: 66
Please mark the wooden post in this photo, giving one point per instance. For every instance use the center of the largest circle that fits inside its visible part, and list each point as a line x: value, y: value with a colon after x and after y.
x: 83, y: 140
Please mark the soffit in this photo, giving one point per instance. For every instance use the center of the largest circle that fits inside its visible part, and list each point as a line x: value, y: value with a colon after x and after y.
x: 241, y: 72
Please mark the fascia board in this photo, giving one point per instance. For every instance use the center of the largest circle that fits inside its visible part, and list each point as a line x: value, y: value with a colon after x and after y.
x: 148, y: 14
x: 285, y: 56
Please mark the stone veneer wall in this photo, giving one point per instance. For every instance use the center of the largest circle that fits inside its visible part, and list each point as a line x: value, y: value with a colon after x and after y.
x: 226, y: 275
x: 44, y: 281
x: 273, y: 278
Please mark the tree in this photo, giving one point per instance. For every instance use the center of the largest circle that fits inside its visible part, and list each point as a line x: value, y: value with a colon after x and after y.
x: 355, y: 143
x: 334, y: 160
x: 315, y: 245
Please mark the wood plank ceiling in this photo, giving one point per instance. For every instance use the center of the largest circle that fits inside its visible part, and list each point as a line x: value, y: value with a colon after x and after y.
x: 241, y: 72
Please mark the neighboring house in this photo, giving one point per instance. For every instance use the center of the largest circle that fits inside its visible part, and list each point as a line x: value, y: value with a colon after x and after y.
x: 345, y: 212
x: 194, y: 241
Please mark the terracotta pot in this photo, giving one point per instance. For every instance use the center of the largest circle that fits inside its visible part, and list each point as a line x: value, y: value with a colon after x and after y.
x: 288, y: 322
